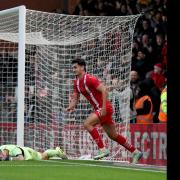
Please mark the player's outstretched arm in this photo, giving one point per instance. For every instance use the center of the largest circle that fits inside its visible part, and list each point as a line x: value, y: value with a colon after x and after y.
x: 73, y: 101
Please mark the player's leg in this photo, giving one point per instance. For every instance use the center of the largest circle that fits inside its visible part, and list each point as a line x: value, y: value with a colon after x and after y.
x: 89, y: 125
x: 54, y: 153
x: 31, y: 154
x: 110, y: 129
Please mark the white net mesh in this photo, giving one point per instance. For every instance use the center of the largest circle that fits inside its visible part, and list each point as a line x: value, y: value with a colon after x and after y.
x: 52, y: 42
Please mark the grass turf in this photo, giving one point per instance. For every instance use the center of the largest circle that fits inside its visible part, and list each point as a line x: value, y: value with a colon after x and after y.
x: 74, y: 170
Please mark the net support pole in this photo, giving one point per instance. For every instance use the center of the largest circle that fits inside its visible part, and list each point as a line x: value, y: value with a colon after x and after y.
x: 21, y: 76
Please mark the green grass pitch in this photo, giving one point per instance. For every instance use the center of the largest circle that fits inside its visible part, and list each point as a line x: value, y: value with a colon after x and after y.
x: 74, y: 170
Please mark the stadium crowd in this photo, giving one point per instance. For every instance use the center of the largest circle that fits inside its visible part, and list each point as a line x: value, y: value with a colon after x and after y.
x: 148, y: 75
x: 149, y: 58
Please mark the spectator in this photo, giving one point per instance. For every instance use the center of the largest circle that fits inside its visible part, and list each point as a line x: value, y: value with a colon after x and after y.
x: 154, y: 94
x: 141, y: 63
x: 143, y: 105
x: 158, y: 47
x: 134, y: 85
x: 163, y: 107
x: 157, y: 23
x: 157, y: 76
x: 147, y: 46
x: 146, y: 43
x: 146, y: 29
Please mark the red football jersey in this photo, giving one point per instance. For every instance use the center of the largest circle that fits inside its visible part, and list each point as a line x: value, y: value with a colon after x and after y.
x: 87, y: 86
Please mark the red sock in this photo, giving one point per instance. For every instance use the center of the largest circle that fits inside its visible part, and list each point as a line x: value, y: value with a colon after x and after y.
x: 95, y: 135
x: 124, y: 142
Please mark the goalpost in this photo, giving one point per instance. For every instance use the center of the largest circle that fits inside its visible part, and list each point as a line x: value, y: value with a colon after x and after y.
x: 36, y: 50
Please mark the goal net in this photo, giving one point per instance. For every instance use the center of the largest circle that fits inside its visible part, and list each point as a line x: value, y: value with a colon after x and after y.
x: 35, y: 90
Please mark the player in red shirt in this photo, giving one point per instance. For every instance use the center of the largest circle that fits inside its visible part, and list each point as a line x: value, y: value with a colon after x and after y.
x: 96, y: 93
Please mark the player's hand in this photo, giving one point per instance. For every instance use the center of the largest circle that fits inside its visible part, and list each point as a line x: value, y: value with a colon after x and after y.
x: 103, y: 112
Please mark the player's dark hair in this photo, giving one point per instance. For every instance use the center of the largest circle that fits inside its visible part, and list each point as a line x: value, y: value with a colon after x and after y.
x: 80, y: 62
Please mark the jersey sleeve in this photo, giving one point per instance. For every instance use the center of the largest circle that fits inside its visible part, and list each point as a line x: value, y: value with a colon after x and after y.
x: 93, y: 82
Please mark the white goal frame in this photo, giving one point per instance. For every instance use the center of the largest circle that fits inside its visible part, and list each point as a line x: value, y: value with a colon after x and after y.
x: 22, y: 37
x: 21, y: 10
